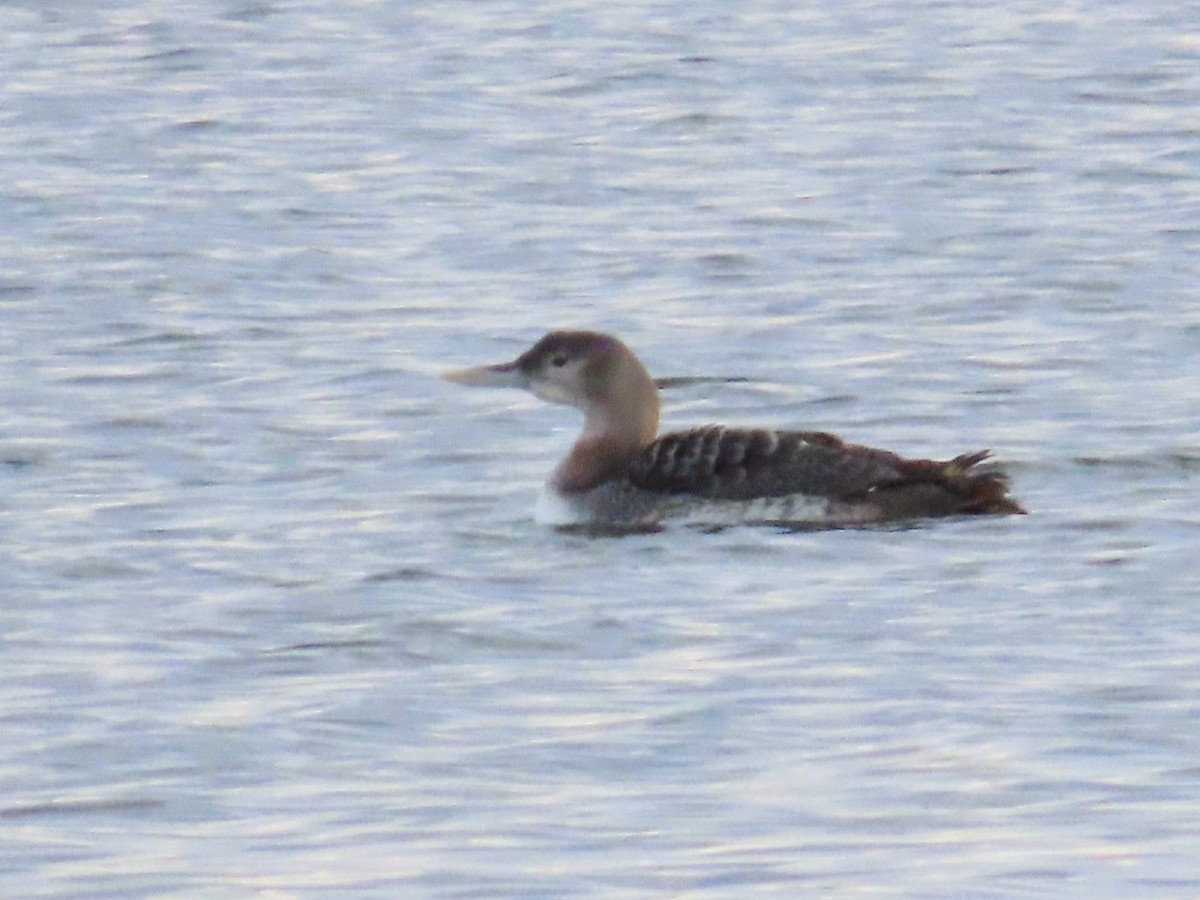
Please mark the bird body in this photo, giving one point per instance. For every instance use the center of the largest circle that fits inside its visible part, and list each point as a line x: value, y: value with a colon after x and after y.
x: 620, y: 474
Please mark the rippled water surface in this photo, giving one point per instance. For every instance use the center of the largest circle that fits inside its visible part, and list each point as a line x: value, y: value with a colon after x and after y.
x: 277, y: 620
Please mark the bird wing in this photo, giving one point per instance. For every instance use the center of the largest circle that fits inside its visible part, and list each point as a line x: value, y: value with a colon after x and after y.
x: 747, y: 463
x: 718, y: 463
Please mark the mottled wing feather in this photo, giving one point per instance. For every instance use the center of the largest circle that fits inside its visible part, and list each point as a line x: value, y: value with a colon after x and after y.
x: 716, y: 463
x: 744, y: 464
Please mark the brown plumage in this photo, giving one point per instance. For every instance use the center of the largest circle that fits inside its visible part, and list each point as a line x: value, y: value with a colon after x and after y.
x: 748, y: 463
x: 618, y: 472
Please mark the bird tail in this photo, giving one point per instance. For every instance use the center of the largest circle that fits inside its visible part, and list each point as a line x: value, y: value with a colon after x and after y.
x: 982, y: 491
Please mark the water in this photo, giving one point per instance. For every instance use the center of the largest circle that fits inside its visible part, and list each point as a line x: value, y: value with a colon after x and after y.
x: 277, y: 620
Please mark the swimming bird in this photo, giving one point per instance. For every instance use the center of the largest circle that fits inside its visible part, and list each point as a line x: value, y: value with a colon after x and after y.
x: 620, y: 474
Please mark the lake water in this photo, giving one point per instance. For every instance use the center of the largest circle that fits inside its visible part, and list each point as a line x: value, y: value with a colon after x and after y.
x: 277, y: 620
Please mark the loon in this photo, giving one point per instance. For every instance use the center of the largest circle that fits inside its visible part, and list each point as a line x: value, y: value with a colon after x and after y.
x: 620, y: 474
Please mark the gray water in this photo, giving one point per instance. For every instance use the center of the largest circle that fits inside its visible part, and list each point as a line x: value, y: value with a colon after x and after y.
x: 277, y: 620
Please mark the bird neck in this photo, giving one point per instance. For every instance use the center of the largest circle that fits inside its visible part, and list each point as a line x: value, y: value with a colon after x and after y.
x: 619, y: 422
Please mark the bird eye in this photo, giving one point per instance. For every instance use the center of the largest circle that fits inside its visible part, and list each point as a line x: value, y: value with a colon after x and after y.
x: 558, y: 360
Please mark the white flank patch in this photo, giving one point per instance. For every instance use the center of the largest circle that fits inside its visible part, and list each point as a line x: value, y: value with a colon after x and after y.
x: 792, y: 508
x: 554, y: 509
x: 613, y: 506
